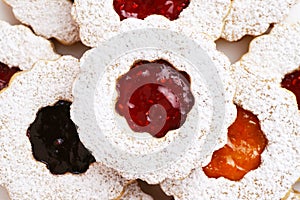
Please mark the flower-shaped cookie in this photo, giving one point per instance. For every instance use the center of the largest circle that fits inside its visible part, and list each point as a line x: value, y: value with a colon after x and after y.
x: 136, y: 154
x: 252, y: 17
x: 20, y: 173
x: 258, y: 76
x: 19, y: 47
x: 50, y: 19
x: 99, y: 20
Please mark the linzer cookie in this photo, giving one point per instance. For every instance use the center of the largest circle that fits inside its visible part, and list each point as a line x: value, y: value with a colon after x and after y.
x: 100, y: 20
x: 50, y: 19
x: 150, y: 111
x: 260, y: 143
x: 263, y: 142
x: 50, y: 166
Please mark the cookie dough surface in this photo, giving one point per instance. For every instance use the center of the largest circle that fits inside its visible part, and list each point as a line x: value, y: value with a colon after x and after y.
x: 276, y: 53
x: 21, y: 48
x: 50, y: 19
x: 253, y: 17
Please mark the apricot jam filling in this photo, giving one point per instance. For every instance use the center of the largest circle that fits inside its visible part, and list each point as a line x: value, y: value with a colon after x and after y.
x: 243, y: 150
x: 5, y: 74
x: 291, y: 82
x: 154, y: 97
x: 141, y: 9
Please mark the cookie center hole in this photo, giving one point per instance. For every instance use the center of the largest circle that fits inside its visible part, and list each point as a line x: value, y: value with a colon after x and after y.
x: 55, y: 141
x: 242, y: 153
x: 154, y: 97
x: 141, y: 9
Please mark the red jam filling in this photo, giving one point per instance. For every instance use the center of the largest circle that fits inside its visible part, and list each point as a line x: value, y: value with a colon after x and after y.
x: 141, y: 9
x: 154, y: 97
x: 242, y: 153
x: 5, y: 74
x: 291, y: 82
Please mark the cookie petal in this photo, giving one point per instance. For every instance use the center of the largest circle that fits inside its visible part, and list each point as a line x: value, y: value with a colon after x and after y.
x: 50, y: 19
x: 254, y: 17
x: 20, y: 47
x: 276, y: 52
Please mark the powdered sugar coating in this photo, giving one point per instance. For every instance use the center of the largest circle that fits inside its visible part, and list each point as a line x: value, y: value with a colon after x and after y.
x: 46, y: 83
x: 277, y: 52
x: 21, y: 48
x: 107, y: 130
x: 275, y: 109
x: 134, y: 192
x: 253, y: 17
x: 258, y: 90
x: 271, y: 57
x: 50, y: 19
x: 99, y: 21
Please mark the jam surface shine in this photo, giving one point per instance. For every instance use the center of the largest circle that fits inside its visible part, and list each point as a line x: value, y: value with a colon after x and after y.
x: 55, y: 141
x: 141, y: 9
x: 242, y: 153
x: 154, y: 97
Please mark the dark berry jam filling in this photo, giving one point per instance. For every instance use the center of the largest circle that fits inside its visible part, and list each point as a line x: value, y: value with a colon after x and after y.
x: 5, y: 74
x: 154, y: 97
x: 55, y: 141
x: 242, y: 153
x: 291, y: 82
x: 141, y: 9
